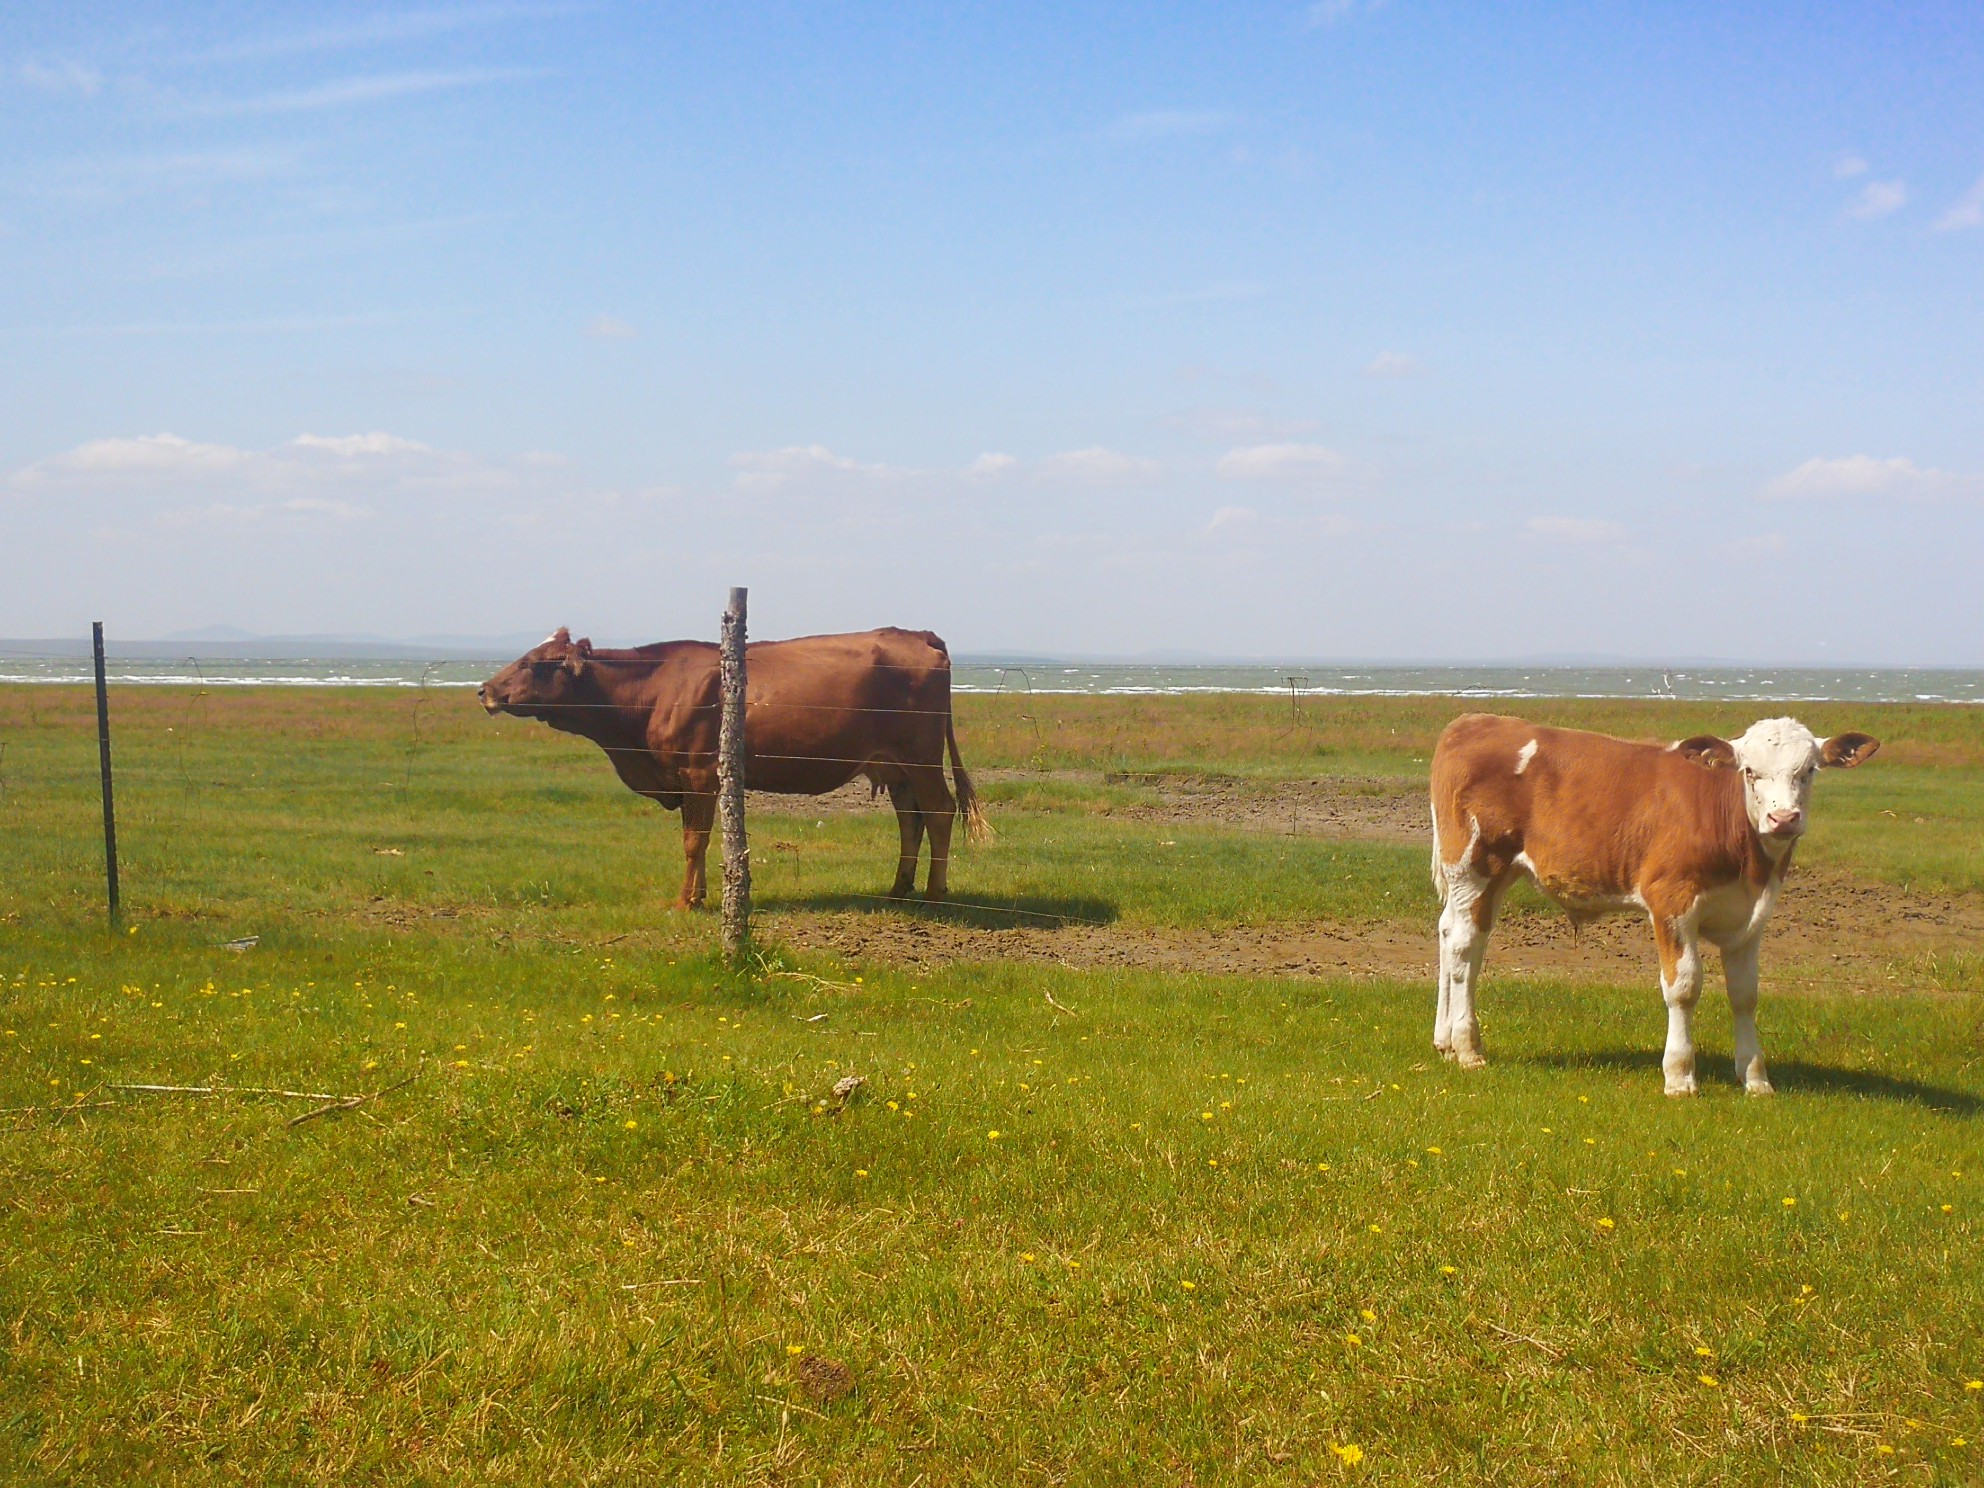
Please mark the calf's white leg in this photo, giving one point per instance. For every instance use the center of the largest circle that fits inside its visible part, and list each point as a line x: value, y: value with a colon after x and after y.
x: 1739, y: 972
x: 1464, y: 927
x: 1681, y: 987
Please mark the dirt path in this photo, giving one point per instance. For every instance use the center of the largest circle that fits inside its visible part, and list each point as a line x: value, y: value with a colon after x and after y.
x: 1828, y: 928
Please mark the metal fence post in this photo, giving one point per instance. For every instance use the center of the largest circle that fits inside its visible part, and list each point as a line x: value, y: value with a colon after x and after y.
x: 103, y: 759
x: 730, y: 785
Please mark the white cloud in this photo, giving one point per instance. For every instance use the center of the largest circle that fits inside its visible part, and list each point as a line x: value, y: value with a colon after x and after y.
x: 71, y: 78
x: 1393, y: 364
x: 1280, y: 462
x: 1863, y: 475
x: 1575, y: 529
x: 346, y: 476
x: 1156, y: 124
x: 1098, y: 466
x: 768, y: 470
x: 1878, y: 199
x: 991, y: 466
x: 1849, y: 165
x: 608, y: 328
x: 1966, y: 211
x: 351, y: 445
x: 1232, y: 516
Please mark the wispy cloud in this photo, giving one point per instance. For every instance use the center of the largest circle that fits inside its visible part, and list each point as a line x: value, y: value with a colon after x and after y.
x: 1849, y: 165
x: 354, y: 91
x: 1863, y: 475
x: 1329, y: 12
x: 1574, y: 529
x: 1159, y: 124
x: 1966, y: 211
x: 1393, y: 364
x: 116, y: 178
x: 1879, y: 199
x: 1098, y: 466
x: 179, y: 480
x: 1280, y: 462
x: 72, y: 79
x: 381, y: 30
x: 609, y: 328
x: 760, y: 471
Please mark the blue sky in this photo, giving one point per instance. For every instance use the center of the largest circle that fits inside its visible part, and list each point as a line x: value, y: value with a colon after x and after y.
x: 1350, y: 329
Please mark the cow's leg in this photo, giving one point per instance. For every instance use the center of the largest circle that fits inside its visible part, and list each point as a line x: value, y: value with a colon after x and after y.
x: 1739, y: 973
x: 909, y: 822
x: 939, y: 807
x: 1473, y: 895
x: 1443, y: 1035
x: 1681, y: 986
x: 698, y: 816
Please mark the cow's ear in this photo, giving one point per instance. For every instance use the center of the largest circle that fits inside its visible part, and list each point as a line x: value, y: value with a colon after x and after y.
x: 1843, y: 751
x: 562, y: 636
x: 579, y: 657
x: 1707, y: 751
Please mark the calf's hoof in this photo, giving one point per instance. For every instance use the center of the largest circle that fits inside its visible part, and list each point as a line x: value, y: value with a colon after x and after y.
x: 1685, y: 1085
x: 1758, y: 1087
x: 1470, y: 1059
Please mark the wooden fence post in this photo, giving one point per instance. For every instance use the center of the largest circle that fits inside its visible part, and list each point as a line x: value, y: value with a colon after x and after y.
x: 103, y: 760
x: 730, y: 785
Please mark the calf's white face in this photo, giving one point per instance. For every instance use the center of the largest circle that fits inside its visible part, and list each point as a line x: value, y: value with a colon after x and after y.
x: 1777, y: 758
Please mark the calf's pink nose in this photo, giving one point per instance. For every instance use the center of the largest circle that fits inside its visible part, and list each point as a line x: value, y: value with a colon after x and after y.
x: 1780, y: 820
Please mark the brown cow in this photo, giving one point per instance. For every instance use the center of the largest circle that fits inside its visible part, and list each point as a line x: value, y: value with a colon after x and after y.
x: 821, y: 710
x: 1697, y: 835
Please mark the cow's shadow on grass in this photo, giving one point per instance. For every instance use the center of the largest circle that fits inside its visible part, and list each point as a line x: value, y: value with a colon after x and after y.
x: 1789, y: 1076
x: 979, y: 911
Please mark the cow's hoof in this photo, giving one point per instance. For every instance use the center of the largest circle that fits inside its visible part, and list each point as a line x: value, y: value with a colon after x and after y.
x: 1470, y: 1059
x: 1681, y: 1087
x: 1758, y: 1087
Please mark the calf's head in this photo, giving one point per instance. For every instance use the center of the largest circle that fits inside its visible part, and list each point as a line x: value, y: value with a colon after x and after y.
x: 1777, y: 759
x: 542, y: 681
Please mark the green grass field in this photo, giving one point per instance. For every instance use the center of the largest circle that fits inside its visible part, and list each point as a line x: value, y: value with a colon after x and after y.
x: 1076, y: 1227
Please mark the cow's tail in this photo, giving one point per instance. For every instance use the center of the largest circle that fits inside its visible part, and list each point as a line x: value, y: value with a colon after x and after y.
x: 1439, y: 868
x: 976, y: 827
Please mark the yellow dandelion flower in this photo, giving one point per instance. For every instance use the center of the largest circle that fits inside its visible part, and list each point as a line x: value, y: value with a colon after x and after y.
x: 632, y: 1125
x: 1450, y: 1270
x: 1790, y: 1203
x: 1376, y: 1231
x: 1680, y: 1172
x: 1710, y: 1380
x: 1353, y: 1340
x: 1958, y: 1441
x: 1703, y: 1351
x: 992, y: 1135
x: 1973, y: 1384
x: 1434, y: 1151
x: 1205, y: 1115
x: 1368, y: 1315
x: 1322, y: 1167
x: 1607, y: 1225
x: 795, y: 1349
x: 1885, y: 1450
x: 1949, y: 1208
x: 1190, y: 1286
x: 861, y: 1172
x: 1799, y: 1418
x: 1349, y: 1454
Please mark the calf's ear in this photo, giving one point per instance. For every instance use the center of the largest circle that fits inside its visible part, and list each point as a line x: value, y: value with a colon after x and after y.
x: 579, y: 657
x: 1843, y: 751
x: 1707, y: 751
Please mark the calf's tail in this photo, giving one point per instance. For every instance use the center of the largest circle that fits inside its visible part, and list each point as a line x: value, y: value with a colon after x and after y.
x: 1439, y: 873
x: 976, y: 827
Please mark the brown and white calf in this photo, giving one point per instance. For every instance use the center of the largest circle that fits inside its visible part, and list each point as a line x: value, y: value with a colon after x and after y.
x: 1697, y: 835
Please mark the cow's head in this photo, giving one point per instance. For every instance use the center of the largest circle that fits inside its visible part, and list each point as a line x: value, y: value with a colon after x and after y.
x: 1777, y: 759
x: 543, y: 680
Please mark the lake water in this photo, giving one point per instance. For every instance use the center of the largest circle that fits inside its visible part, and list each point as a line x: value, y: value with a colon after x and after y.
x: 1737, y: 684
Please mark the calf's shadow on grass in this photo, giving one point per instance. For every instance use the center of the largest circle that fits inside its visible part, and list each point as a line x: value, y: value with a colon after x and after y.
x: 1789, y: 1076
x: 979, y: 911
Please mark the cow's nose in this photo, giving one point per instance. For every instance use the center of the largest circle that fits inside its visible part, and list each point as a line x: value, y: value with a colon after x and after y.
x: 1784, y: 821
